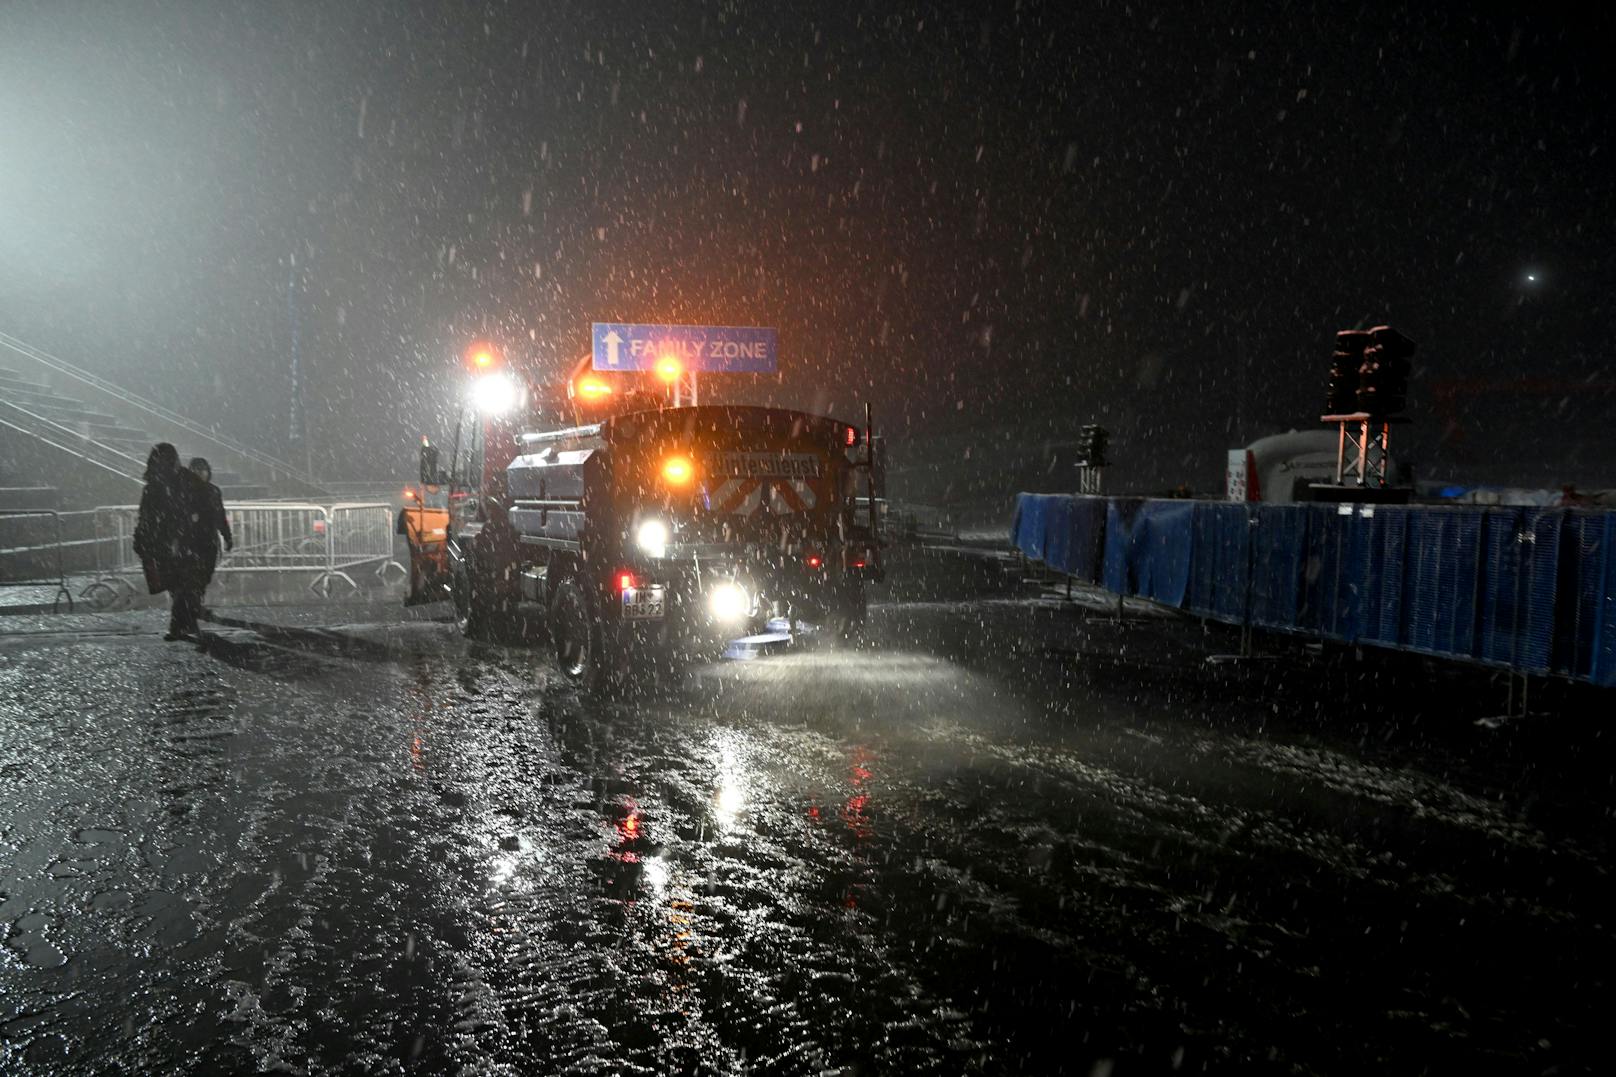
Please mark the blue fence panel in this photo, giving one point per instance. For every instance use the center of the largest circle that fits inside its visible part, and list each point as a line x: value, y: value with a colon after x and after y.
x: 1385, y: 561
x: 1444, y: 555
x: 1206, y: 565
x: 1336, y: 571
x: 1163, y: 536
x: 1422, y: 582
x: 1582, y: 596
x: 1460, y: 574
x: 1076, y: 537
x: 1322, y: 538
x: 1603, y: 666
x: 1456, y: 631
x: 1088, y: 537
x: 1057, y: 531
x: 1277, y: 565
x: 1219, y: 560
x: 1121, y: 535
x: 1356, y: 574
x: 1028, y: 525
x: 1501, y: 600
x: 1540, y: 570
x: 1063, y: 531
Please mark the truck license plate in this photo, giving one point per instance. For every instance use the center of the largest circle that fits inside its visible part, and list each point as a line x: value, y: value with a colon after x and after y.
x: 643, y: 603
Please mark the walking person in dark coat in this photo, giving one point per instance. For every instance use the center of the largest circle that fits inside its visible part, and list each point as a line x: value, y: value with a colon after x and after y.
x: 168, y: 537
x: 213, y: 523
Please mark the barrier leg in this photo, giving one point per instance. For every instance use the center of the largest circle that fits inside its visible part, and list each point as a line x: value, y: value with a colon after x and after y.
x: 321, y: 584
x: 107, y: 592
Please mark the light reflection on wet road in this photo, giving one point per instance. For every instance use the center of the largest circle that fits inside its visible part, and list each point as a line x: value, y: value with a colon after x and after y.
x: 376, y: 847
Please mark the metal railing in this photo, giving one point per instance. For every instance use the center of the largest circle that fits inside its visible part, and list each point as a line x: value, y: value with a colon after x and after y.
x: 29, y: 554
x: 65, y: 439
x: 270, y: 537
x: 62, y: 366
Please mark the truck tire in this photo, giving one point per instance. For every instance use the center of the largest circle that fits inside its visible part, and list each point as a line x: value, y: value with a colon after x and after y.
x: 852, y: 612
x: 475, y: 610
x: 575, y: 632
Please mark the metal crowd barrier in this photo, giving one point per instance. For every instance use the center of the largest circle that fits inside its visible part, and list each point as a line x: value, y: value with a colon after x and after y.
x: 361, y: 534
x: 12, y: 548
x: 270, y: 537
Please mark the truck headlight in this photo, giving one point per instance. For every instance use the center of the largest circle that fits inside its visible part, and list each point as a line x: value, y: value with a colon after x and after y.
x: 728, y: 601
x: 652, y: 538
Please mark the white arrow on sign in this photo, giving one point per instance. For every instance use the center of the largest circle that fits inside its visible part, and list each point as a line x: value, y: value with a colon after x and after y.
x: 612, y: 341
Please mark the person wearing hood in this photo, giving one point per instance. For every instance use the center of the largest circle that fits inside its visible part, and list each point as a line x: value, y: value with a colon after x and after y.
x: 213, y: 523
x: 168, y: 538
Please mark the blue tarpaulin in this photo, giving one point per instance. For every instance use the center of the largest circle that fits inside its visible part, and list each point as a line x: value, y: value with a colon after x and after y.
x: 1278, y: 549
x: 1063, y: 531
x: 1220, y: 556
x: 1083, y: 538
x: 1027, y: 526
x: 1162, y: 546
x: 1118, y: 558
x: 1532, y: 590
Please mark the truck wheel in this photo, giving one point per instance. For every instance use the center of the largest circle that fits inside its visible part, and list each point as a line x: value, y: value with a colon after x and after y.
x: 852, y: 613
x: 474, y: 609
x: 575, y: 631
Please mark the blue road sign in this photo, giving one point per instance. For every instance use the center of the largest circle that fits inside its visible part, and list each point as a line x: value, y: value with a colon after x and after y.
x: 707, y: 348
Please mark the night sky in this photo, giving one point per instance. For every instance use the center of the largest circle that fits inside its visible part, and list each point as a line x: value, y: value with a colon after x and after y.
x: 1046, y: 215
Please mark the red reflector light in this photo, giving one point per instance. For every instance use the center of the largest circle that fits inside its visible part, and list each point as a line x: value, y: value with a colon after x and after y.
x: 858, y: 564
x: 814, y: 560
x: 852, y: 436
x: 626, y: 581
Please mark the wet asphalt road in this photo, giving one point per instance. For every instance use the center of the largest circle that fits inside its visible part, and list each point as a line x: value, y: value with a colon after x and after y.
x: 999, y: 839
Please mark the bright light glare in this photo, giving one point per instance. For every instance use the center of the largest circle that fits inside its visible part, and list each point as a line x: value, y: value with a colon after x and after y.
x: 730, y: 797
x: 593, y: 389
x: 729, y: 800
x: 652, y: 538
x: 656, y: 874
x: 677, y: 470
x: 513, y: 868
x: 728, y: 601
x: 668, y: 368
x: 494, y: 394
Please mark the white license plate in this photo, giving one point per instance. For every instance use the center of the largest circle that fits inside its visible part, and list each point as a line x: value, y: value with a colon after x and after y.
x: 643, y: 603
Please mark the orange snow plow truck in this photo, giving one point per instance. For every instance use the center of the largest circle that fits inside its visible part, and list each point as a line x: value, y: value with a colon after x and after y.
x: 424, y: 523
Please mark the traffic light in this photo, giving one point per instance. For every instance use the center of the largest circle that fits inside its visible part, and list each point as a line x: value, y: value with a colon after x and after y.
x: 1383, y: 375
x: 1092, y: 443
x: 1342, y: 395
